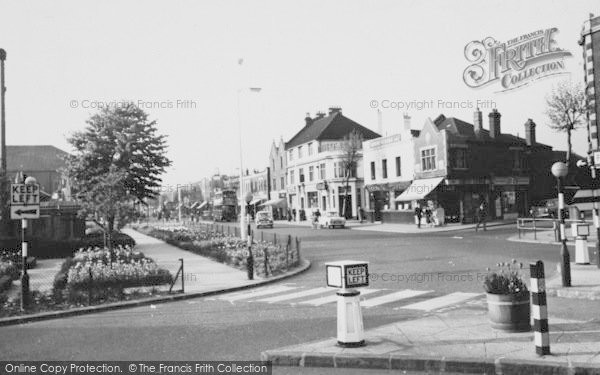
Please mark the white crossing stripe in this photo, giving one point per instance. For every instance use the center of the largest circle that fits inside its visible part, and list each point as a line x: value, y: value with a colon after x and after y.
x: 393, y: 297
x: 303, y: 293
x: 256, y: 293
x: 436, y: 303
x: 333, y: 297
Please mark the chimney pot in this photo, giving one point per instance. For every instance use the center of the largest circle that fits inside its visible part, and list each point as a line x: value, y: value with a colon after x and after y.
x: 530, y: 132
x: 307, y: 119
x: 333, y: 110
x: 477, y: 122
x: 494, y: 118
x: 407, y: 124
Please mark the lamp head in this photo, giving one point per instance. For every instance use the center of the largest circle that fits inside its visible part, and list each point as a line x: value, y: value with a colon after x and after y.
x: 559, y: 169
x: 30, y: 180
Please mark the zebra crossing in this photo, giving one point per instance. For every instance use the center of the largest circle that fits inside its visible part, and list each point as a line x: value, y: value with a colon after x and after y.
x: 406, y: 299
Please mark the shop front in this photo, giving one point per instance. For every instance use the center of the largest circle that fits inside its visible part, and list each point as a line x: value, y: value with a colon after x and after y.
x: 382, y: 205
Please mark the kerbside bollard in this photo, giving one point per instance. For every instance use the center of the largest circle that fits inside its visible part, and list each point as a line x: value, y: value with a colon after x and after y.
x: 581, y: 231
x: 539, y: 310
x: 346, y: 275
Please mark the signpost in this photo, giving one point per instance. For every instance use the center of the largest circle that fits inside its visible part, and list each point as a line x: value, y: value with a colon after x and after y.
x: 25, y: 204
x: 346, y: 275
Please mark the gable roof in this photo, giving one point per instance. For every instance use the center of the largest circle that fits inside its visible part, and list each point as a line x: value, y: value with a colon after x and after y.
x: 34, y: 158
x: 333, y: 127
x: 466, y: 131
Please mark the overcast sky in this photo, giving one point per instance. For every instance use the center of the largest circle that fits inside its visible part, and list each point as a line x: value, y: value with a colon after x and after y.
x: 64, y: 56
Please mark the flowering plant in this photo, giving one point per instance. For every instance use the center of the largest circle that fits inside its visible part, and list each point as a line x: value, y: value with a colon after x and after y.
x: 507, y: 280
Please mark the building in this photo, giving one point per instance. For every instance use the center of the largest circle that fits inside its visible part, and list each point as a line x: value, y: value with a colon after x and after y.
x: 315, y: 175
x: 590, y: 41
x: 278, y: 168
x: 460, y: 165
x: 257, y: 189
x: 388, y: 164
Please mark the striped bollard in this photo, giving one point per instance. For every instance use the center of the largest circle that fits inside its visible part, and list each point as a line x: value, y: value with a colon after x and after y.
x: 539, y: 310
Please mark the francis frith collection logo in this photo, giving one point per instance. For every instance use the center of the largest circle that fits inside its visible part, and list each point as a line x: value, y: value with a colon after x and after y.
x: 514, y: 63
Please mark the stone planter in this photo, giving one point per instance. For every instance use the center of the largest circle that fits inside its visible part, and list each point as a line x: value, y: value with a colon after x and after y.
x: 509, y: 312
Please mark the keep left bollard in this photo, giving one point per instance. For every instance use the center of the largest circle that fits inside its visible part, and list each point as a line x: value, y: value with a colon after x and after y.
x: 539, y: 310
x: 347, y: 275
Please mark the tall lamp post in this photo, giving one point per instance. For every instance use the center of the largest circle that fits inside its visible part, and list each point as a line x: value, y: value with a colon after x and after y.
x: 559, y: 170
x: 25, y: 297
x: 243, y: 233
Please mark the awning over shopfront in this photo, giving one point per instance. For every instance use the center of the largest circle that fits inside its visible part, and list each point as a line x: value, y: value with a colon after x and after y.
x: 202, y: 204
x: 419, y: 189
x: 255, y: 201
x: 277, y: 202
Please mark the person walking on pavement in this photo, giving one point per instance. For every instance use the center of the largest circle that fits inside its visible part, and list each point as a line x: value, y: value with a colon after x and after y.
x: 418, y: 215
x: 481, y: 216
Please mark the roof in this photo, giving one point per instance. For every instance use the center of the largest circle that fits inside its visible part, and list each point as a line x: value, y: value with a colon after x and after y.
x: 34, y: 158
x: 333, y: 127
x: 466, y: 131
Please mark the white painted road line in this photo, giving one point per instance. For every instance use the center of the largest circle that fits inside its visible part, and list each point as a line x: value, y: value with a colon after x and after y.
x: 333, y: 297
x: 256, y: 293
x: 303, y: 293
x: 393, y: 297
x: 436, y: 303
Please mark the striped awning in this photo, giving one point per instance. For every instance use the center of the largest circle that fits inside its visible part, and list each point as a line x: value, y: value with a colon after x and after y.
x: 419, y: 189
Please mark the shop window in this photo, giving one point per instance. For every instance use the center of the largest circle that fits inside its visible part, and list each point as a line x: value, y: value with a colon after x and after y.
x: 428, y: 159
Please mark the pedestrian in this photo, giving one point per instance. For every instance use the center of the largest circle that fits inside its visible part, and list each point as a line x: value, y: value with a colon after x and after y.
x: 316, y: 215
x: 481, y: 216
x: 289, y: 215
x: 428, y: 216
x: 294, y: 215
x: 361, y: 214
x: 418, y: 215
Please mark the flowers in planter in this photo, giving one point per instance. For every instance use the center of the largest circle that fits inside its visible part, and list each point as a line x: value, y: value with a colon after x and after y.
x: 506, y: 280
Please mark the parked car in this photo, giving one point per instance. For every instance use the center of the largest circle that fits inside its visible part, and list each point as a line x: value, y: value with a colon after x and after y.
x: 263, y: 219
x: 331, y: 219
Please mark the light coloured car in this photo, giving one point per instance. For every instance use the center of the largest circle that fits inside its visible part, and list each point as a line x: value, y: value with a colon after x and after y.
x: 331, y: 219
x: 263, y: 219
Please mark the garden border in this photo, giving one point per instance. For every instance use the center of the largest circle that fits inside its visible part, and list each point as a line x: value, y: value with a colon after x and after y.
x: 21, y: 319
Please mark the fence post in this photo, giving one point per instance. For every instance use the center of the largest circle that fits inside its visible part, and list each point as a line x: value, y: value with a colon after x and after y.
x: 539, y: 310
x: 287, y: 252
x: 298, y: 250
x: 182, y: 277
x: 90, y: 287
x: 261, y: 236
x: 534, y: 229
x: 274, y: 238
x: 266, y: 256
x: 519, y: 227
x: 250, y: 259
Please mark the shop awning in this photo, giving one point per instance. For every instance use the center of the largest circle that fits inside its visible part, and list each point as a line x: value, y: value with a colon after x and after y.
x: 419, y: 189
x: 277, y: 202
x: 255, y: 201
x: 204, y: 203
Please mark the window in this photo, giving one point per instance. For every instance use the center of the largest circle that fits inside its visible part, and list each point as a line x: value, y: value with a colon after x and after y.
x: 301, y: 174
x: 299, y: 152
x: 310, y: 149
x: 372, y: 170
x: 311, y: 173
x: 398, y: 166
x: 459, y: 158
x: 281, y: 162
x: 428, y: 159
x: 282, y: 183
x: 323, y: 175
x: 273, y: 165
x: 291, y: 154
x: 518, y: 160
x: 275, y: 184
x: 292, y: 177
x: 340, y: 169
x: 384, y: 168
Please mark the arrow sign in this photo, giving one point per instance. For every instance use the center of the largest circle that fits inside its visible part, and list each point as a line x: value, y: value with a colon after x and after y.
x: 24, y: 212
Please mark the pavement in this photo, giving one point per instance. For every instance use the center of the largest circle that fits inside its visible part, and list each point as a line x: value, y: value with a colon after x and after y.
x: 402, y: 227
x: 202, y: 277
x: 460, y: 341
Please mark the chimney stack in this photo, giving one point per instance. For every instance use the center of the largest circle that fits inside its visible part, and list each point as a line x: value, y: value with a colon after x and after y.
x: 530, y: 132
x: 308, y: 120
x: 494, y: 117
x: 406, y: 123
x: 319, y: 115
x: 333, y: 110
x: 477, y: 122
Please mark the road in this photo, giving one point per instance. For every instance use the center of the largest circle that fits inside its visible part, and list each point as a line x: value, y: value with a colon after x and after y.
x: 239, y: 326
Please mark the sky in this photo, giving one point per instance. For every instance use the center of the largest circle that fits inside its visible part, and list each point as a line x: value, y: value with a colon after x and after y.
x: 180, y: 61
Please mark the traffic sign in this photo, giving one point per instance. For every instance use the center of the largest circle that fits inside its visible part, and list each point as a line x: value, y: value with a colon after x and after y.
x: 24, y: 212
x: 597, y: 159
x: 25, y: 194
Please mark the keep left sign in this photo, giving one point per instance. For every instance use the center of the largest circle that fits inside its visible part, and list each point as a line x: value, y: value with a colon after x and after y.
x: 24, y: 194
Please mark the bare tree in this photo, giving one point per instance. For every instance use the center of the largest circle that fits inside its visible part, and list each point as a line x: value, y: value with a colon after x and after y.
x: 351, y: 146
x: 567, y: 109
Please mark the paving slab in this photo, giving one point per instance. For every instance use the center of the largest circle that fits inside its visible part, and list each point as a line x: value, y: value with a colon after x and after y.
x: 456, y: 341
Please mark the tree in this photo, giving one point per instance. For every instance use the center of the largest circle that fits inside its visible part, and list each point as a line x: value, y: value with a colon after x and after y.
x: 351, y: 146
x: 117, y: 162
x: 567, y: 110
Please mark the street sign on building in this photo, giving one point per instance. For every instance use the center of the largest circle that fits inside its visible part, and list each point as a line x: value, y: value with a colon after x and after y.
x: 24, y: 201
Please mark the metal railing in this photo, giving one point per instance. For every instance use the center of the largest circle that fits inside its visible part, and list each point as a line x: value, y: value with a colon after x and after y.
x: 537, y: 224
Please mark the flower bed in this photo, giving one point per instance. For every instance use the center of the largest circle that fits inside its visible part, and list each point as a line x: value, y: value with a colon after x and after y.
x: 94, y: 274
x: 226, y: 248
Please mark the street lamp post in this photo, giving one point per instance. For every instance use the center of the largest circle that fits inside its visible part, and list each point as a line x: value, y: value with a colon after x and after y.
x: 559, y: 170
x: 243, y: 233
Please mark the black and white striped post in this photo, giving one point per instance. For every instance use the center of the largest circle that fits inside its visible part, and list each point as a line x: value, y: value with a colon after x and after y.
x: 560, y: 169
x: 539, y: 310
